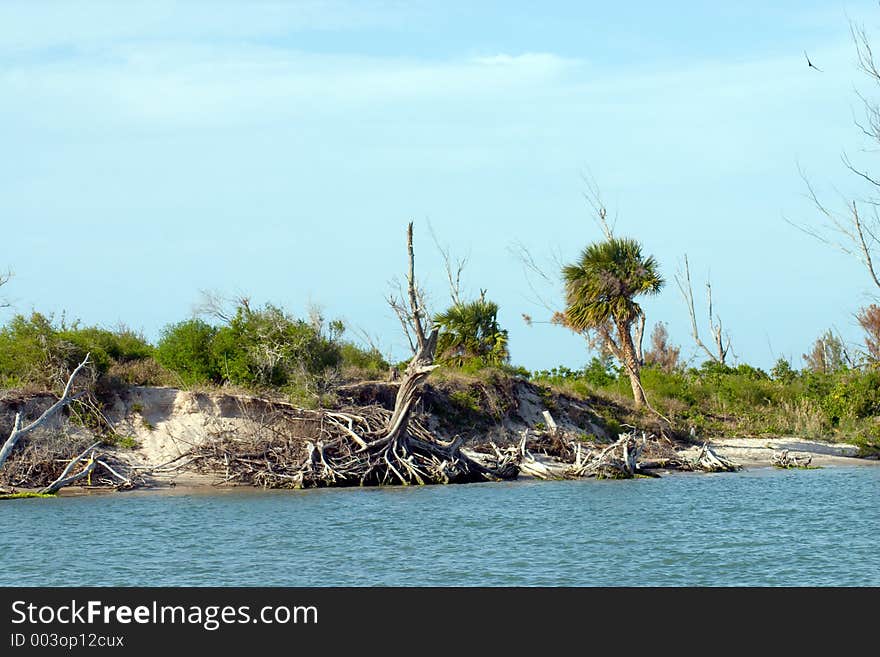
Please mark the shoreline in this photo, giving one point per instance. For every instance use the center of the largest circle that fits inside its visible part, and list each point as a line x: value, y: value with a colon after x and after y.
x: 750, y: 453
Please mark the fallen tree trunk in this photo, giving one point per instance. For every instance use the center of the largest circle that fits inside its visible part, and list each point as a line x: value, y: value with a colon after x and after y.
x: 65, y: 479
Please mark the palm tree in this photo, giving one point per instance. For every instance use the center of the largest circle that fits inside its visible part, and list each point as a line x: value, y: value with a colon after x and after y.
x: 600, y: 289
x: 471, y: 331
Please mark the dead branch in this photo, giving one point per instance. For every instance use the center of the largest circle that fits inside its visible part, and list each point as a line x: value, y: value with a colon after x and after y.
x: 708, y: 461
x: 18, y: 431
x: 683, y: 280
x: 789, y: 460
x: 453, y: 268
x: 66, y: 478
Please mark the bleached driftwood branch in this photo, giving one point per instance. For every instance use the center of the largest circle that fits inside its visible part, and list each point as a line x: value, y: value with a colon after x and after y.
x: 18, y: 431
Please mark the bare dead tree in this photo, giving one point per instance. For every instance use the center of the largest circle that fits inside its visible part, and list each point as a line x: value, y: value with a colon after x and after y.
x: 855, y: 229
x: 721, y: 341
x: 593, y: 197
x: 214, y: 304
x: 18, y: 431
x: 4, y: 279
x: 453, y: 266
x: 409, y: 304
x: 402, y: 451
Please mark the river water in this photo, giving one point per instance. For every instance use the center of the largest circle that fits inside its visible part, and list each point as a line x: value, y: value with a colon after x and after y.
x: 758, y: 527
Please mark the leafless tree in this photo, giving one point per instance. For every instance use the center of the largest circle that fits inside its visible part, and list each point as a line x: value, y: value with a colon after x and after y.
x: 453, y: 266
x: 854, y: 229
x: 869, y: 320
x: 4, y: 279
x: 662, y: 354
x: 213, y: 304
x: 409, y: 303
x: 721, y: 340
x: 593, y: 197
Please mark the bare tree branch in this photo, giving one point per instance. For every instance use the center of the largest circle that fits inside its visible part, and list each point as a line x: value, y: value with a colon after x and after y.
x: 683, y: 280
x: 4, y: 279
x: 852, y: 232
x: 410, y: 305
x: 594, y: 199
x: 453, y: 268
x: 18, y: 431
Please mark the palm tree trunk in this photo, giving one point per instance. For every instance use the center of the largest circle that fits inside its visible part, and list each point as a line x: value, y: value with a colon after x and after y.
x: 636, y: 383
x: 631, y: 363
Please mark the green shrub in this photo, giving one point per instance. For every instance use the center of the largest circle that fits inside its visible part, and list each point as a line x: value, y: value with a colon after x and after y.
x: 265, y: 347
x: 854, y: 395
x: 33, y: 350
x: 186, y: 349
x: 368, y: 361
x: 783, y: 372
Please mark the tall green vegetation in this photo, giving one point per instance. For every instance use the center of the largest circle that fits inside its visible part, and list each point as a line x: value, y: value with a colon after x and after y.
x: 37, y: 351
x: 600, y: 292
x: 264, y: 348
x: 718, y: 399
x: 470, y: 333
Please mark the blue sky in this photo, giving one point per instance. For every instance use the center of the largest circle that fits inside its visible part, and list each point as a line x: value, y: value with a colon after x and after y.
x: 152, y: 150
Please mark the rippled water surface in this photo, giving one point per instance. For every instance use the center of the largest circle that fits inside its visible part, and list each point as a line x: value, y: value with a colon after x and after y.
x: 760, y: 527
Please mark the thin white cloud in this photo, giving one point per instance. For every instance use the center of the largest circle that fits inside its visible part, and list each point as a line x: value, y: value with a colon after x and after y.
x: 26, y: 25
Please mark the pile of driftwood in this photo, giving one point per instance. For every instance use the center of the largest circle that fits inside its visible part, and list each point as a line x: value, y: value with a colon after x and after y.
x: 619, y: 460
x: 788, y: 460
x: 50, y: 462
x: 53, y: 464
x: 708, y: 461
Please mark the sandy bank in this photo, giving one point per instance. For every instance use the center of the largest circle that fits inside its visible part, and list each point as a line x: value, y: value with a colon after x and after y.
x: 759, y: 452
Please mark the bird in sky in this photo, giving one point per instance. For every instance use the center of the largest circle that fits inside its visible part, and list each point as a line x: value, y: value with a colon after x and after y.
x: 810, y: 64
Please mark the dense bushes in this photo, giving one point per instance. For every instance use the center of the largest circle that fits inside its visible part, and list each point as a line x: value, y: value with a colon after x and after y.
x: 721, y: 399
x: 187, y: 348
x: 264, y: 348
x: 35, y: 351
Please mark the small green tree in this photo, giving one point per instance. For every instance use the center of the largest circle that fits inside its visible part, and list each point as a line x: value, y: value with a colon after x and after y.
x: 600, y: 292
x: 470, y: 331
x: 783, y: 372
x: 186, y: 348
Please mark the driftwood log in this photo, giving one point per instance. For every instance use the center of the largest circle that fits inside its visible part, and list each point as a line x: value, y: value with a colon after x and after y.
x: 618, y: 460
x: 708, y: 461
x: 94, y: 461
x: 789, y: 460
